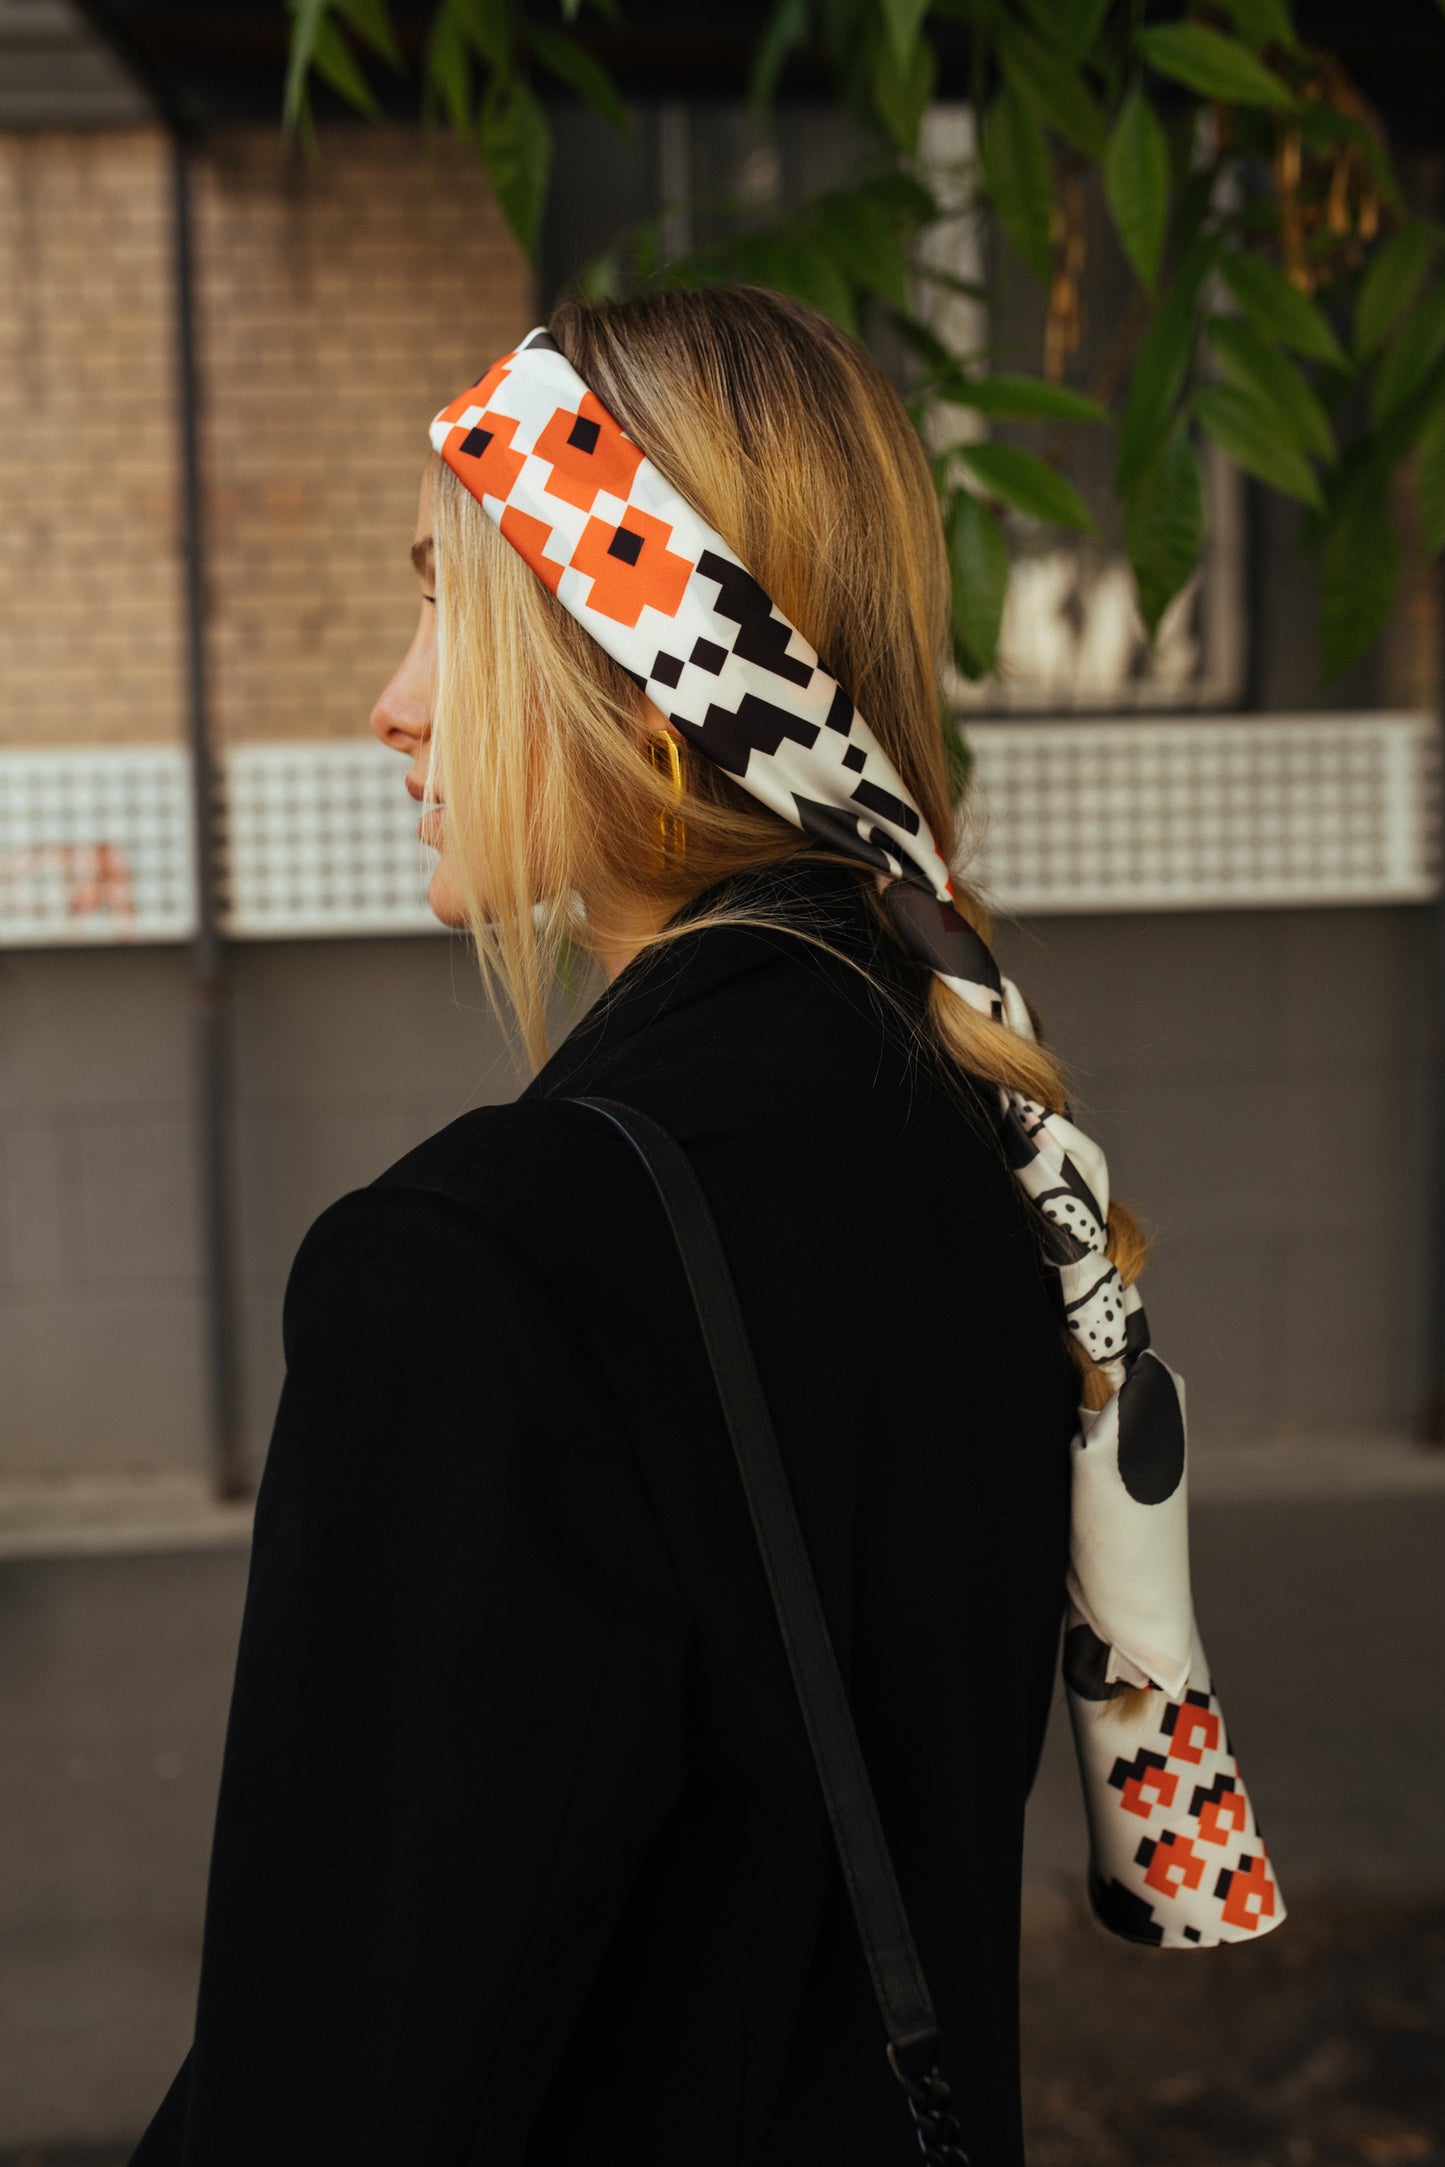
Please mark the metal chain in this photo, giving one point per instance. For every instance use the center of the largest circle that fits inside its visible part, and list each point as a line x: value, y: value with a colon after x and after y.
x: 936, y: 2128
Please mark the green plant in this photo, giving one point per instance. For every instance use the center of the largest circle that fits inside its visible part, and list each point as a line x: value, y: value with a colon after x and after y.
x: 1286, y: 303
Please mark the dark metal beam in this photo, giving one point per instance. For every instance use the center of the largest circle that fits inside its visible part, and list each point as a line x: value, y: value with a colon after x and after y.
x: 210, y: 1006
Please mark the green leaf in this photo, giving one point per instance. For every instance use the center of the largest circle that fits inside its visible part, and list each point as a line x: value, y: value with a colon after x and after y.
x: 1016, y: 477
x: 371, y: 20
x: 1389, y: 286
x: 903, y: 19
x: 449, y: 68
x: 1404, y: 366
x: 971, y: 289
x: 863, y: 240
x: 1136, y: 182
x: 1025, y: 398
x: 307, y: 19
x: 1049, y: 83
x: 1164, y: 523
x: 1163, y: 361
x: 583, y: 74
x: 1279, y: 310
x: 1324, y: 128
x: 787, y: 27
x: 1213, y: 65
x: 920, y: 339
x: 487, y: 26
x: 1246, y: 427
x: 334, y: 60
x: 904, y: 197
x: 516, y: 146
x: 1019, y: 178
x: 1359, y: 576
x: 785, y: 260
x: 978, y: 561
x: 1430, y: 481
x: 1070, y: 26
x: 901, y: 92
x: 1263, y: 22
x: 1256, y: 366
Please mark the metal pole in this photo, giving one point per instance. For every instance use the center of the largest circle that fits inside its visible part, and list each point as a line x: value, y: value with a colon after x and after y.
x: 1432, y: 1424
x: 209, y: 1004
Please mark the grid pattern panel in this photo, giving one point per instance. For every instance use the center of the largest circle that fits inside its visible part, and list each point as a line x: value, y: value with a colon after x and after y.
x: 1168, y: 813
x: 95, y: 846
x: 1217, y: 812
x: 321, y: 838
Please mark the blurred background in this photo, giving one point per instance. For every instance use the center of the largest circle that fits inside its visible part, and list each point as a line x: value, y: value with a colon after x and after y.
x: 222, y: 1003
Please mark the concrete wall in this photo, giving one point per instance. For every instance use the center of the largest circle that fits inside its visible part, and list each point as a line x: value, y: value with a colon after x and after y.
x: 346, y: 1054
x: 1257, y: 1079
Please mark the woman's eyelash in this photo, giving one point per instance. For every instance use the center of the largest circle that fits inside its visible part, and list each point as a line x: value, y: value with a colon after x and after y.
x: 429, y: 598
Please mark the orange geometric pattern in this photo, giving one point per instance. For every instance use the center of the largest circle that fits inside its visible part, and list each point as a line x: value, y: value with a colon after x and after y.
x: 1195, y: 1733
x: 587, y: 452
x: 1222, y: 1818
x: 482, y: 456
x: 1142, y: 1793
x: 529, y: 537
x: 481, y: 393
x: 631, y: 567
x: 1250, y: 1896
x: 1175, y: 1865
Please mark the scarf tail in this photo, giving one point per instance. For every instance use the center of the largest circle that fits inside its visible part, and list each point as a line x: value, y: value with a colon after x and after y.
x: 1176, y: 1857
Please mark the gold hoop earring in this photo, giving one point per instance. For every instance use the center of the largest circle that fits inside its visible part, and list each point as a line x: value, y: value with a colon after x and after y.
x: 666, y: 757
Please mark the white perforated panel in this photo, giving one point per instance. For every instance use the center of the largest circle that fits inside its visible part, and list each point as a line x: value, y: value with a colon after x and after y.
x: 321, y: 838
x: 1167, y: 813
x: 1207, y: 812
x: 95, y: 846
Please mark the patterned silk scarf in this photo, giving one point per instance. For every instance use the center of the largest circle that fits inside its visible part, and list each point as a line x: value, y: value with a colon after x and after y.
x: 1177, y: 1858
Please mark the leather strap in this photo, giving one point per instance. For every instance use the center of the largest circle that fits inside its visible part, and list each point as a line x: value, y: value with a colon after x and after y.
x: 898, y: 1982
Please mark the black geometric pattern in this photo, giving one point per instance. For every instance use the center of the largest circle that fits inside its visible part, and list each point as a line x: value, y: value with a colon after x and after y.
x: 887, y: 807
x: 841, y: 831
x: 731, y: 737
x: 1151, y: 1433
x: 762, y: 636
x: 1086, y: 1663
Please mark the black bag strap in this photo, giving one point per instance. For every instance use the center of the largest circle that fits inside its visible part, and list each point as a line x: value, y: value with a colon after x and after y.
x: 902, y: 1991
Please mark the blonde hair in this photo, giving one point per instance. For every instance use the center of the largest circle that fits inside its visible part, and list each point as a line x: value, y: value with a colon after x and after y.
x: 785, y: 436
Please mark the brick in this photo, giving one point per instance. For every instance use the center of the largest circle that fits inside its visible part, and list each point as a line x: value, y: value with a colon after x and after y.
x: 339, y: 305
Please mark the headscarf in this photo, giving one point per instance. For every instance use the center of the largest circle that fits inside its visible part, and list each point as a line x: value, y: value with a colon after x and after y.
x: 1176, y: 1855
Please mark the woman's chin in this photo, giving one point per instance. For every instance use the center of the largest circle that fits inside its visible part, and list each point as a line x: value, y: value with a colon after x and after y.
x: 444, y: 900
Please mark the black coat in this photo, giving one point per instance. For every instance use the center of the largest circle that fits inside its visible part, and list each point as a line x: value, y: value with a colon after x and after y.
x: 520, y: 1859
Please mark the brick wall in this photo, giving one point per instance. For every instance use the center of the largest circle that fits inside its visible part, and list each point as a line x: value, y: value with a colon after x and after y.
x: 341, y: 302
x: 90, y: 626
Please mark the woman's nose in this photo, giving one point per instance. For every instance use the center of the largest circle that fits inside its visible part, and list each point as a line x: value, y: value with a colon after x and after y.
x: 401, y: 717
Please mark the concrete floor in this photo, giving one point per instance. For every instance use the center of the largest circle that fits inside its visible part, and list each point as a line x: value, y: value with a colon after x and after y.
x: 1324, y: 1618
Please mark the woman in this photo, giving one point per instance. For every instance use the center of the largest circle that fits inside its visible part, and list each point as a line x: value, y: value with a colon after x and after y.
x: 520, y: 1854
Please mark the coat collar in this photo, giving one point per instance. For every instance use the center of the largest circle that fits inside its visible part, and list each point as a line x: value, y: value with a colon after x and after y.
x: 802, y: 892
